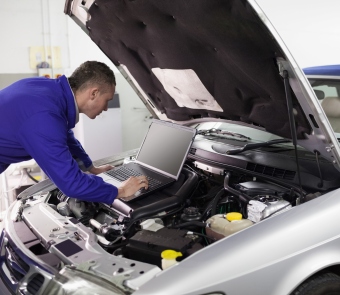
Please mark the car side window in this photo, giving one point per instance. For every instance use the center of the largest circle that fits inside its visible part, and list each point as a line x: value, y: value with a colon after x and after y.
x: 328, y: 90
x: 328, y: 87
x: 328, y: 93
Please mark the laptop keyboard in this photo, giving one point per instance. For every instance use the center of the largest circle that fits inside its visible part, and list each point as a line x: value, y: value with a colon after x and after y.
x: 123, y: 173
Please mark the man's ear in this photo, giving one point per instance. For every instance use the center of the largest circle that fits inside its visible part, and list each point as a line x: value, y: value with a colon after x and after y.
x: 93, y: 91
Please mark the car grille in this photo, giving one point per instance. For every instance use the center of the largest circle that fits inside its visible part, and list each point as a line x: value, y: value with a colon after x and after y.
x: 35, y: 284
x: 15, y: 269
x: 15, y: 264
x: 271, y: 171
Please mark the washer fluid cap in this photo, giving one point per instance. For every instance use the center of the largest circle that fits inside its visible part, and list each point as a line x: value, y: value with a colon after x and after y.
x: 170, y: 254
x: 233, y: 216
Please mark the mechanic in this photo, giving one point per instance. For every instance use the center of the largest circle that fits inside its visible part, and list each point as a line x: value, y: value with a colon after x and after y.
x: 36, y: 118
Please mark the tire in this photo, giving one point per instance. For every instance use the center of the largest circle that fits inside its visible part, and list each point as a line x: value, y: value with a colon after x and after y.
x: 322, y: 284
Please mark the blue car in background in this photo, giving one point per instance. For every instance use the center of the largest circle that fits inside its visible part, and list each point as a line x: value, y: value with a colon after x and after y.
x: 325, y: 81
x: 330, y: 70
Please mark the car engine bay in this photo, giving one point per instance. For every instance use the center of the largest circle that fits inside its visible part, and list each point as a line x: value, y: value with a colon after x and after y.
x: 215, y: 196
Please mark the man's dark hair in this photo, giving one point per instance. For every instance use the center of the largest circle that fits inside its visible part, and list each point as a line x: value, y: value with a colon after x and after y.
x: 91, y: 73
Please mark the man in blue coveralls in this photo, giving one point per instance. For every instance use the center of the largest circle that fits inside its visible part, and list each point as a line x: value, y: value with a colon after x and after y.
x: 36, y: 118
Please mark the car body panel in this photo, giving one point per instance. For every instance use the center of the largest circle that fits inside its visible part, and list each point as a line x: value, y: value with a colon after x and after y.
x: 291, y: 246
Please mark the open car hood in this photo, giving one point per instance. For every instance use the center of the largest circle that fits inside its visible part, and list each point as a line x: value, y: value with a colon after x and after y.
x: 207, y: 60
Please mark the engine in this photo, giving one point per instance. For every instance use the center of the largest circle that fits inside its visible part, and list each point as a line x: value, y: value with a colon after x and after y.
x: 203, y: 206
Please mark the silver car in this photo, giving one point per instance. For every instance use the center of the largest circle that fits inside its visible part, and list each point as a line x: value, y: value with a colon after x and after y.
x: 256, y: 208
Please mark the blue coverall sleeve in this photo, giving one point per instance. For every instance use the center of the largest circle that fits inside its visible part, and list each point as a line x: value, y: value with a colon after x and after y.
x: 77, y: 151
x: 44, y: 137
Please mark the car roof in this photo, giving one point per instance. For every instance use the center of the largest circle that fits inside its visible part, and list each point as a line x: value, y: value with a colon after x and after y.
x: 328, y: 70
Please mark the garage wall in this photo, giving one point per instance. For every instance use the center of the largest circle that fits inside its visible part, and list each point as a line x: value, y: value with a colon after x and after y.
x: 310, y: 28
x: 30, y: 23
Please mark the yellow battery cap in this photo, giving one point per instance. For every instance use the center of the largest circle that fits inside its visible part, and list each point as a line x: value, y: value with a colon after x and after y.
x: 170, y: 254
x: 233, y: 216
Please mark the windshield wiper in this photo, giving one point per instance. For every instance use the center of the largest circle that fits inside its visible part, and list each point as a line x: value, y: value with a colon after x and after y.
x: 252, y: 146
x: 222, y: 132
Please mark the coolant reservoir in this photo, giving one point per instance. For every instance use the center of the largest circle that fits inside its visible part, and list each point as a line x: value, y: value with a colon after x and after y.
x: 221, y: 226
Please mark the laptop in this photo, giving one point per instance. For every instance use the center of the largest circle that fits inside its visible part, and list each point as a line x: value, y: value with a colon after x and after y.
x: 160, y: 158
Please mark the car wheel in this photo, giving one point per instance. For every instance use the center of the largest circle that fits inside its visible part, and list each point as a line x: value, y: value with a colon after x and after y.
x: 324, y: 284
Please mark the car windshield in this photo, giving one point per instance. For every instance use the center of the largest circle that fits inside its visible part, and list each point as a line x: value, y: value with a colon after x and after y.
x: 242, y: 133
x: 250, y: 133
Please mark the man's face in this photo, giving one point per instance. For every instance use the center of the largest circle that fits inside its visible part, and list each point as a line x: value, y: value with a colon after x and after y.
x: 99, y: 99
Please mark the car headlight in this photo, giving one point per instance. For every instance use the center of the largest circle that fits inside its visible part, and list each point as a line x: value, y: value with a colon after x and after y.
x: 76, y: 282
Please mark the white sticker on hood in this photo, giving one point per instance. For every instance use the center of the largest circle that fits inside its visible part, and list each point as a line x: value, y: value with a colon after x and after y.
x: 186, y: 89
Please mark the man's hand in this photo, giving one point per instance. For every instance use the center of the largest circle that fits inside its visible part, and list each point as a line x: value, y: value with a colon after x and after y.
x: 132, y: 185
x: 100, y: 169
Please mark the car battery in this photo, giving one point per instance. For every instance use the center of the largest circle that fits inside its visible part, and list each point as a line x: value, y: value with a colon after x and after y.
x: 147, y: 246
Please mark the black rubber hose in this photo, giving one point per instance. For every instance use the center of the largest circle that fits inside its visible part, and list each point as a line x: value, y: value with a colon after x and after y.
x: 215, y: 201
x: 207, y: 209
x: 243, y: 197
x: 190, y: 223
x: 30, y: 176
x: 113, y: 246
x: 209, y: 206
x: 204, y: 236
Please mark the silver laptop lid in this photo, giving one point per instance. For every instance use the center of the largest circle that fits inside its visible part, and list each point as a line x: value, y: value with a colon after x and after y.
x: 165, y: 147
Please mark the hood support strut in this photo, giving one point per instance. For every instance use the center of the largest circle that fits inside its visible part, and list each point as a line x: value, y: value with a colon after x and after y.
x: 292, y: 129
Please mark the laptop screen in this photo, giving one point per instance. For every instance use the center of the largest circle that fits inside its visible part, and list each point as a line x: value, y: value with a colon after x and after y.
x: 165, y: 147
